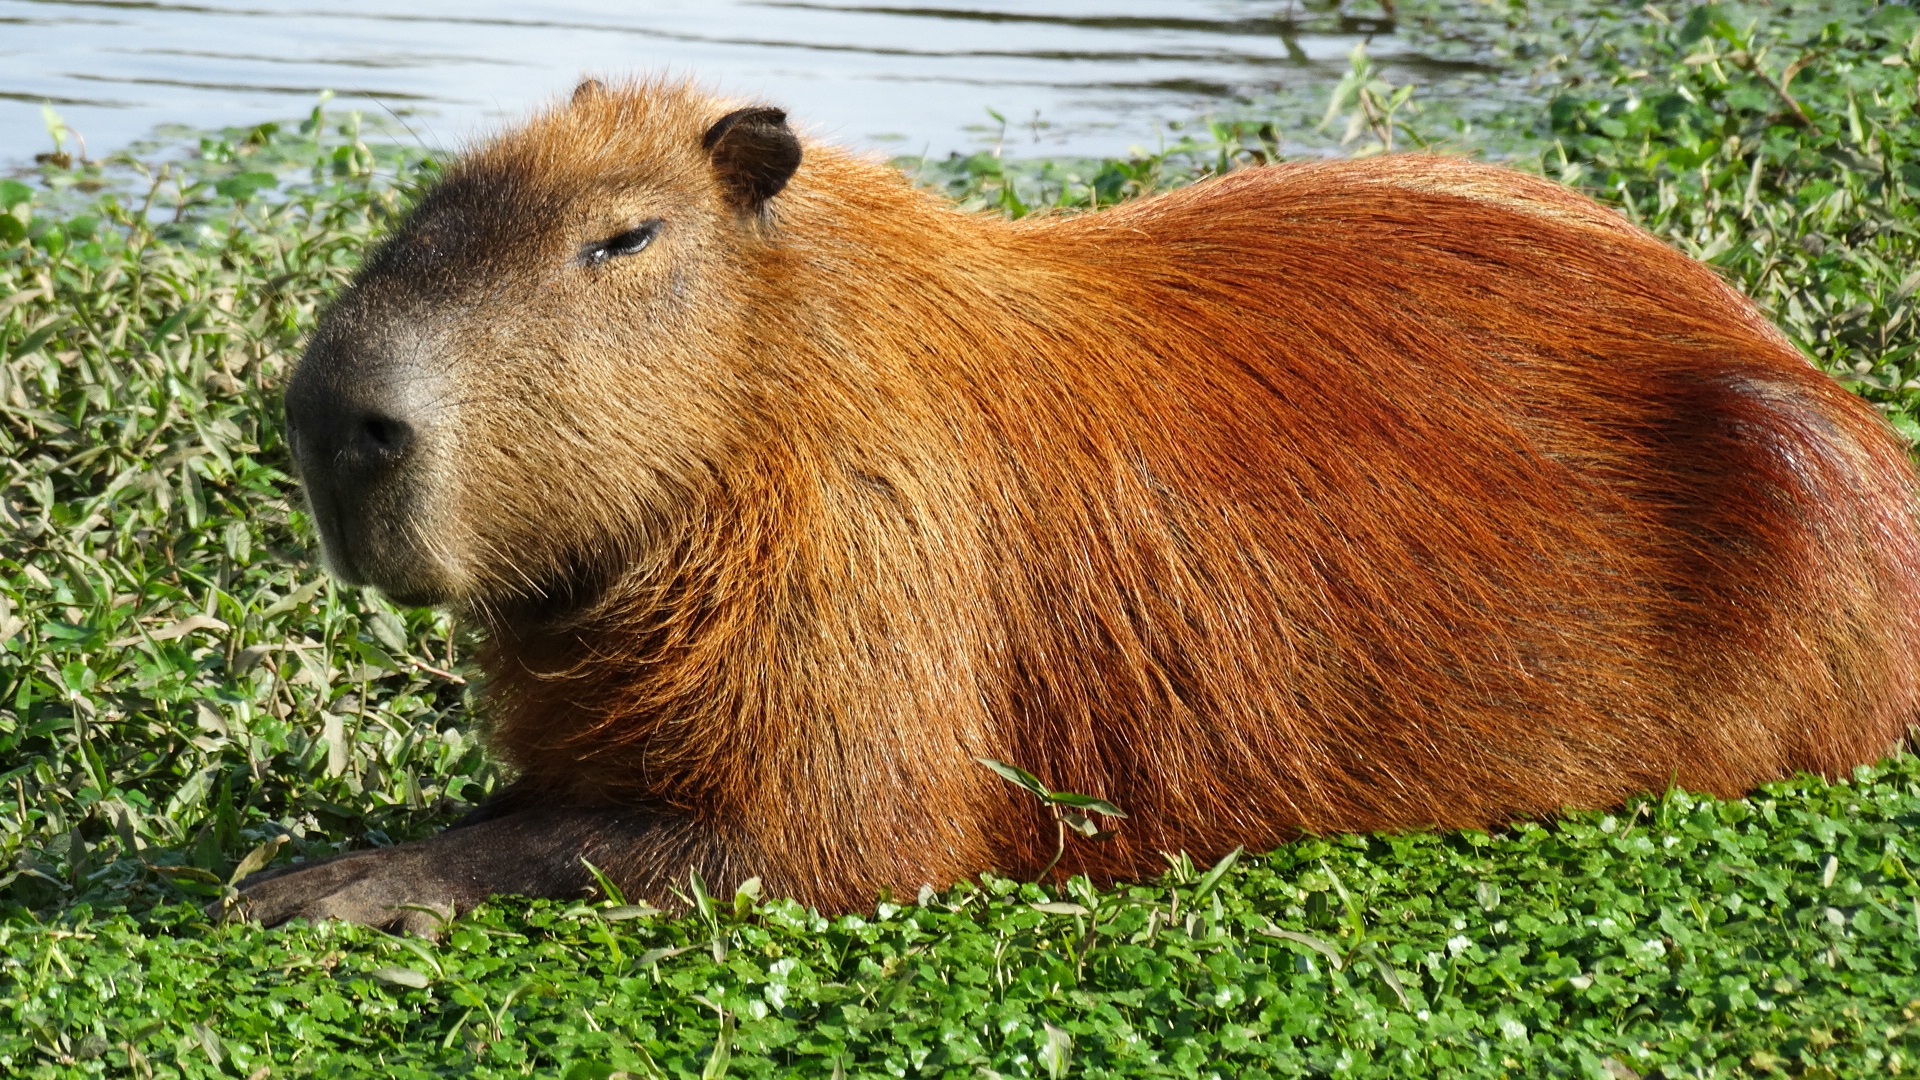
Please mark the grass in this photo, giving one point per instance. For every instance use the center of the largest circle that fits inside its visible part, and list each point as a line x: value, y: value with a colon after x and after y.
x: 179, y: 684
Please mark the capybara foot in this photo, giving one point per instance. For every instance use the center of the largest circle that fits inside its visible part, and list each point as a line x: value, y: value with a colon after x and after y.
x: 391, y: 888
x: 417, y: 887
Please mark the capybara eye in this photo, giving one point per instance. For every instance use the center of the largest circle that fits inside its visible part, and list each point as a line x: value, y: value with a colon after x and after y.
x: 631, y: 242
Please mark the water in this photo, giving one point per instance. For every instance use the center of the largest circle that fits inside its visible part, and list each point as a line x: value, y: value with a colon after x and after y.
x: 1091, y: 77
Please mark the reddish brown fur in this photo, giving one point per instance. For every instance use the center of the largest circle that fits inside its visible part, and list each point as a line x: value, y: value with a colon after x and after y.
x: 1354, y: 495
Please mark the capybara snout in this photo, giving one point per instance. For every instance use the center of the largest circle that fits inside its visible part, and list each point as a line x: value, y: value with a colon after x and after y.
x: 1344, y: 495
x: 364, y: 425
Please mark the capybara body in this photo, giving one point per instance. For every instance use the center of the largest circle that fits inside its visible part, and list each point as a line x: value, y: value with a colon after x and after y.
x: 1355, y: 495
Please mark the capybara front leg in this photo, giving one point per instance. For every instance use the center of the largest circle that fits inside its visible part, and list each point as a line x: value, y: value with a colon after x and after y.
x: 535, y: 851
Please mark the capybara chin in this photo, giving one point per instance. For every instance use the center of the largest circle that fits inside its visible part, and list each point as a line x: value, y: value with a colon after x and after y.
x: 1357, y: 495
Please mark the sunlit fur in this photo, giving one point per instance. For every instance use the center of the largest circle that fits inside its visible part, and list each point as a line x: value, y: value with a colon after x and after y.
x: 1357, y: 495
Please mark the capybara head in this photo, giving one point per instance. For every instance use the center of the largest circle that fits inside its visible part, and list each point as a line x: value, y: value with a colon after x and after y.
x: 545, y: 359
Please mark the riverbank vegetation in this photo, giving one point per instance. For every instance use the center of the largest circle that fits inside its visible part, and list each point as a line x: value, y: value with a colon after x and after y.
x: 181, y: 688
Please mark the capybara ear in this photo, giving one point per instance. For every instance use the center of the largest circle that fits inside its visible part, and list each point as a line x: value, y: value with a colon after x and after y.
x: 755, y: 153
x: 588, y: 90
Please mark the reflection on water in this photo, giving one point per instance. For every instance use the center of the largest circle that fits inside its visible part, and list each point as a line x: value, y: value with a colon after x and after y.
x: 1069, y: 76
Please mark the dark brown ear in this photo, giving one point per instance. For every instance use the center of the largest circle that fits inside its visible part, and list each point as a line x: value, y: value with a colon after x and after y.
x: 755, y: 153
x: 588, y: 89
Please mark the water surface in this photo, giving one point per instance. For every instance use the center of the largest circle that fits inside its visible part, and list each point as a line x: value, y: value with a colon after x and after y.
x: 1091, y: 77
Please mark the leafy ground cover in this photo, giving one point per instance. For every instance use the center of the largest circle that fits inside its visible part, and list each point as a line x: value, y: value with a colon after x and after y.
x: 179, y: 684
x: 1768, y: 936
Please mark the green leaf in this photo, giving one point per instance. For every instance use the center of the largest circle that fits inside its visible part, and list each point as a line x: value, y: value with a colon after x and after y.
x: 1356, y: 920
x: 175, y: 321
x: 1018, y: 776
x: 1081, y: 823
x: 722, y: 1055
x: 245, y: 185
x: 744, y: 897
x: 256, y: 859
x: 415, y: 946
x: 1086, y: 802
x: 1056, y: 1053
x: 529, y: 988
x: 389, y: 631
x: 1213, y: 876
x: 13, y: 193
x: 1319, y: 945
x: 1388, y: 975
x: 441, y: 915
x: 299, y: 598
x: 402, y: 976
x: 1701, y: 21
x: 32, y: 342
x: 702, y: 903
x: 58, y: 131
x: 209, y: 1041
x: 607, y: 888
x: 188, y: 873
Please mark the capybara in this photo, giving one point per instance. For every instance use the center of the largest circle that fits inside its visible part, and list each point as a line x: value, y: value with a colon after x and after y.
x: 1346, y: 495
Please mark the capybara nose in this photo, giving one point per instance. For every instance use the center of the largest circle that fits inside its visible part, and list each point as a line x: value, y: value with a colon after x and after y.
x: 349, y: 446
x: 380, y: 439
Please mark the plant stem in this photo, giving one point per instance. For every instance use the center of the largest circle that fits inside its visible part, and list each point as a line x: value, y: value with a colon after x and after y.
x: 1060, y: 827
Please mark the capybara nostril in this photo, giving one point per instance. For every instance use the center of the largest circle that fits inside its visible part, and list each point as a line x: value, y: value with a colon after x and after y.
x: 383, y: 437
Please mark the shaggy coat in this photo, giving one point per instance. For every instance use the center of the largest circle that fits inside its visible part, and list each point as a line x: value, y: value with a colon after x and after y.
x: 1356, y: 495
